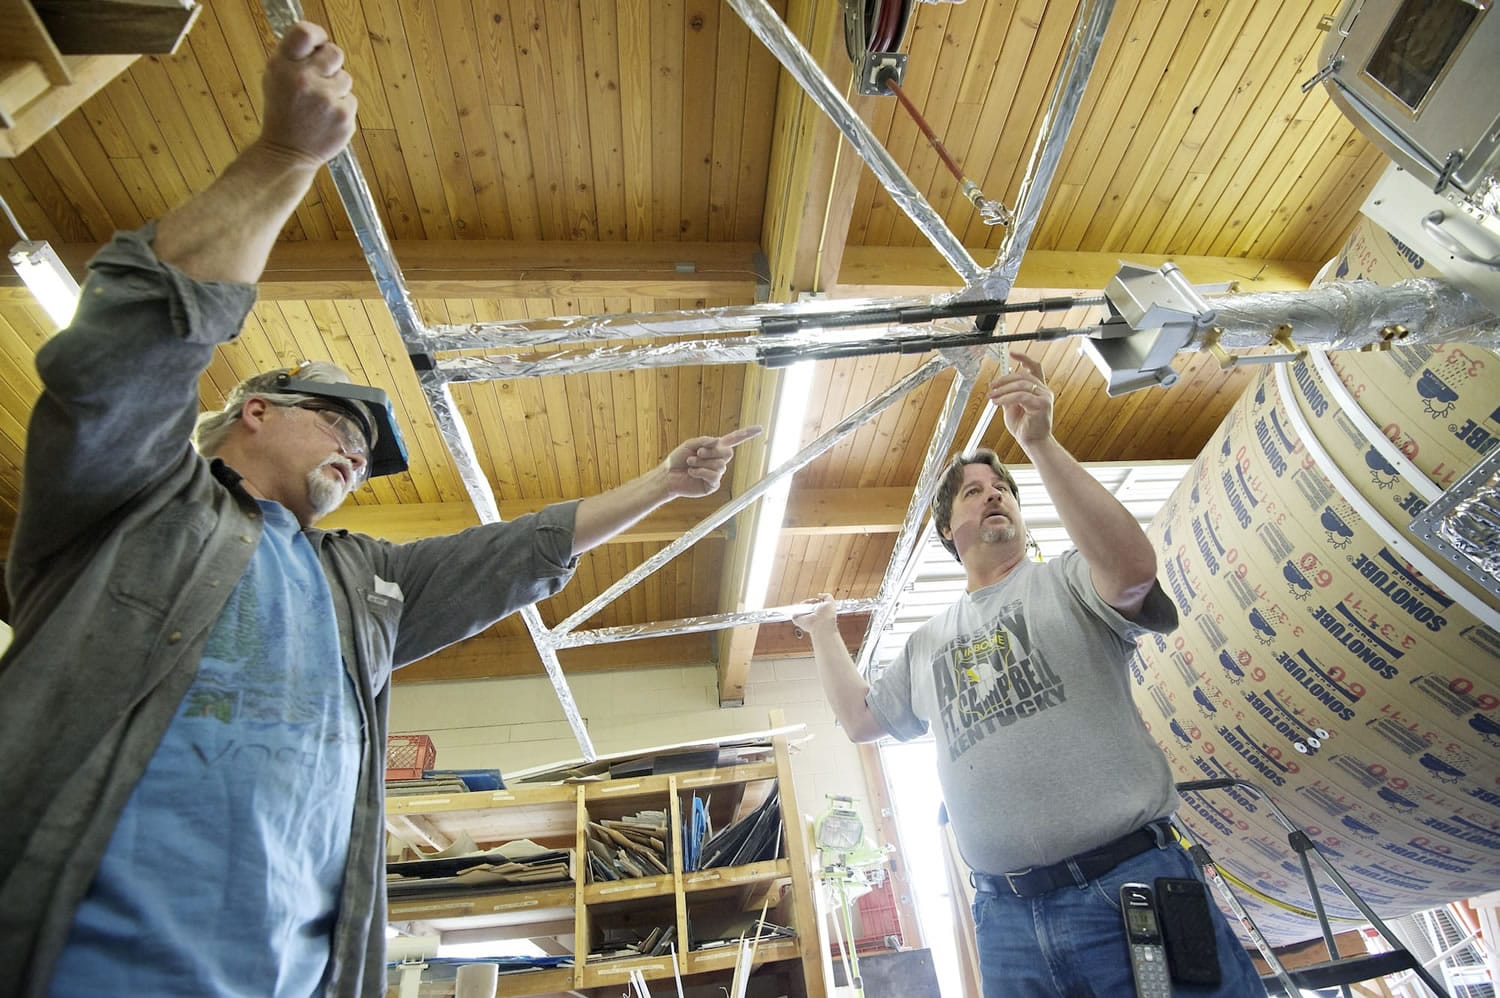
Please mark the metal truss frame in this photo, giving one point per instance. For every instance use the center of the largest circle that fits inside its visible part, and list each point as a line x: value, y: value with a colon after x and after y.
x: 437, y: 374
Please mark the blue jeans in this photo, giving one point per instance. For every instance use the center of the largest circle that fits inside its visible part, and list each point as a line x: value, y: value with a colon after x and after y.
x: 1070, y: 943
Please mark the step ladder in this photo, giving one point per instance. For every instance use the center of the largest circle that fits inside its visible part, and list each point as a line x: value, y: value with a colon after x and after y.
x: 1336, y: 971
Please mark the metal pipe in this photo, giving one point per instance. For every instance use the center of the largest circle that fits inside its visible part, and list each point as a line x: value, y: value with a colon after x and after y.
x: 1087, y: 35
x: 692, y: 625
x: 1346, y: 315
x: 772, y: 351
x: 843, y: 428
x: 456, y: 434
x: 785, y: 46
x: 359, y: 203
x: 1084, y: 41
x: 651, y: 325
x: 912, y: 525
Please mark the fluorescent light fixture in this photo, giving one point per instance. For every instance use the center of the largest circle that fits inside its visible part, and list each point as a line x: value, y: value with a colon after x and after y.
x: 786, y: 435
x: 50, y: 283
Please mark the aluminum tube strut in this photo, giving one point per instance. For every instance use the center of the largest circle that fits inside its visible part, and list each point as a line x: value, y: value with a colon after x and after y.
x: 1087, y: 36
x: 692, y: 625
x: 912, y: 525
x: 785, y: 46
x: 359, y: 203
x: 842, y: 429
x: 976, y: 437
x: 456, y: 433
x: 746, y: 349
x: 649, y: 325
x: 1078, y: 63
x: 360, y: 206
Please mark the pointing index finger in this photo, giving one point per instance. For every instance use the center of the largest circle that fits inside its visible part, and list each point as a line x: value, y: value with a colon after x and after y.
x: 1034, y: 368
x: 736, y: 437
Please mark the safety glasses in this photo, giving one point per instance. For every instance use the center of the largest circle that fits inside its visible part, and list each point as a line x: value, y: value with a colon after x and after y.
x: 344, y: 427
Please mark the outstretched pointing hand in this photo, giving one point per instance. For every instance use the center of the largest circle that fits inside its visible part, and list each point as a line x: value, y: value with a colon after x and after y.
x: 696, y: 467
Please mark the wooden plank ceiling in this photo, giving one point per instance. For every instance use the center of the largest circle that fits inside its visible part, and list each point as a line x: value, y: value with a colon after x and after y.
x: 570, y: 157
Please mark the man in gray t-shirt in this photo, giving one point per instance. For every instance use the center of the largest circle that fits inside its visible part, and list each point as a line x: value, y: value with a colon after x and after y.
x: 1056, y: 791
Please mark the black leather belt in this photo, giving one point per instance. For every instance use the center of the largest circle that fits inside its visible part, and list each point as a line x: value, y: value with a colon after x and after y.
x: 1038, y: 880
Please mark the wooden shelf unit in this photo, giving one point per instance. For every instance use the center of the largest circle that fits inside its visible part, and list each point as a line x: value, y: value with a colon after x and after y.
x: 557, y: 816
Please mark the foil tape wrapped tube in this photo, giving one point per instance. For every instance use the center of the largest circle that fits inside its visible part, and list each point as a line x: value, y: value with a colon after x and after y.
x: 1087, y: 36
x: 1348, y: 315
x: 456, y: 434
x: 692, y: 625
x: 359, y: 204
x: 903, y: 554
x: 778, y: 38
x: 748, y: 349
x: 802, y: 458
x: 647, y: 325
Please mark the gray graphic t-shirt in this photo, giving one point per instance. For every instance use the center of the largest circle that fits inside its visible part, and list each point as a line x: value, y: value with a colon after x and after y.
x: 1025, y: 684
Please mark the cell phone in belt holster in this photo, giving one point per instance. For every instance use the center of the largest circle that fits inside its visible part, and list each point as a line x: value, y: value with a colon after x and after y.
x: 1187, y: 930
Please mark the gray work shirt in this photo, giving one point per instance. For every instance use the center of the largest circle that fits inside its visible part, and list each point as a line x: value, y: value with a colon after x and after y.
x: 127, y: 547
x: 1025, y: 684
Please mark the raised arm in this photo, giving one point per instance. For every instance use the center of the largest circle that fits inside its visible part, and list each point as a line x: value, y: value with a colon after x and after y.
x: 1121, y: 560
x: 844, y: 687
x: 226, y: 232
x: 693, y: 469
x: 120, y: 384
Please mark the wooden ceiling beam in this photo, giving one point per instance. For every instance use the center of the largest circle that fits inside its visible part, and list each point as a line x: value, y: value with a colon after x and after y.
x: 41, y: 113
x: 493, y: 268
x: 905, y: 270
x: 117, y: 27
x: 786, y: 640
x: 552, y: 269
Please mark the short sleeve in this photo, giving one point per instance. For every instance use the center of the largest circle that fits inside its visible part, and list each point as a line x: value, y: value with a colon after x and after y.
x: 1158, y: 613
x: 890, y: 699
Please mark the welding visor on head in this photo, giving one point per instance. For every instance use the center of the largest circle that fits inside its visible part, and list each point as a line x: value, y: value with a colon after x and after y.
x: 369, y: 407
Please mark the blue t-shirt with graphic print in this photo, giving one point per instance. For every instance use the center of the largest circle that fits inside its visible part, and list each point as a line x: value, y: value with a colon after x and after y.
x: 222, y: 876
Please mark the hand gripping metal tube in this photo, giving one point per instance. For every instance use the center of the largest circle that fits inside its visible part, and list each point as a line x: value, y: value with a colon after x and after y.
x: 359, y: 203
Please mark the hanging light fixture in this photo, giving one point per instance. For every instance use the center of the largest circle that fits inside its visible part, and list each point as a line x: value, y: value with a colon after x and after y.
x: 44, y: 274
